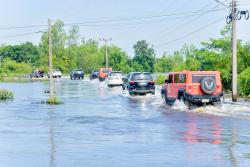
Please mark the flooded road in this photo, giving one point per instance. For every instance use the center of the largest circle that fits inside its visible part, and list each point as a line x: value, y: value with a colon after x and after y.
x: 99, y: 126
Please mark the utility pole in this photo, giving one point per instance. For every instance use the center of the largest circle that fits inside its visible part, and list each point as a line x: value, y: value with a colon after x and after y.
x: 106, y: 49
x: 234, y: 52
x: 0, y: 61
x: 51, y: 84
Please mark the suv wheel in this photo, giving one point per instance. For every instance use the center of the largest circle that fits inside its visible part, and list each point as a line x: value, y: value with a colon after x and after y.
x: 164, y: 97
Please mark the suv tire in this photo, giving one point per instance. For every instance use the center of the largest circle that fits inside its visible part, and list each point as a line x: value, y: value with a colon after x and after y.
x: 208, y: 85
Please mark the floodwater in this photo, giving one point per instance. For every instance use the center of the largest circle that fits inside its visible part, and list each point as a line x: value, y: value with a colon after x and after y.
x: 102, y: 127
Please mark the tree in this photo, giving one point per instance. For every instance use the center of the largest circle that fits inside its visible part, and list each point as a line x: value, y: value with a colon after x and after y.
x: 26, y: 52
x: 73, y: 36
x: 144, y: 58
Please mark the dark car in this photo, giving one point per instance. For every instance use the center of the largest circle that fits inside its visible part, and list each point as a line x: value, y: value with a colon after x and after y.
x: 37, y: 74
x: 77, y: 74
x: 94, y: 75
x: 139, y: 83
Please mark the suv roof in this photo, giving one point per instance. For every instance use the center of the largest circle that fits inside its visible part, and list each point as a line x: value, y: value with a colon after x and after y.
x: 194, y: 72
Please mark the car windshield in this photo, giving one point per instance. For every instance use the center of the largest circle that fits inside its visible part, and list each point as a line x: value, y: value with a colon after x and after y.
x: 56, y: 70
x: 142, y: 76
x: 196, y: 78
x: 79, y: 71
x: 116, y: 74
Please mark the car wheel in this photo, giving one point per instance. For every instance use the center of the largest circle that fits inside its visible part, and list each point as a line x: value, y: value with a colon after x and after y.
x: 189, y: 104
x: 132, y: 93
x: 165, y: 99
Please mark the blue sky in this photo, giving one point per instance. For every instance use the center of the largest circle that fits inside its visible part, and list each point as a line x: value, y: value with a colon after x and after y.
x: 157, y: 32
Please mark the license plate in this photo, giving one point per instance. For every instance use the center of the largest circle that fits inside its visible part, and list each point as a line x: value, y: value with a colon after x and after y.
x: 205, y: 100
x: 142, y: 83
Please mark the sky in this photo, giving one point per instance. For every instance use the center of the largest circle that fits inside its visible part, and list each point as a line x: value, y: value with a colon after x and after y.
x: 167, y: 24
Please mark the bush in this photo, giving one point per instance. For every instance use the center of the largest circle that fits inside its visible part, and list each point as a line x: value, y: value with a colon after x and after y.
x: 12, y: 67
x: 5, y: 94
x: 160, y: 79
x: 54, y: 101
x: 244, y: 80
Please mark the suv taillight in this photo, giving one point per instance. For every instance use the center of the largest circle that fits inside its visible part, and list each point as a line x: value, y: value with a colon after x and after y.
x: 189, y: 88
x: 151, y: 82
x: 218, y: 87
x: 132, y: 83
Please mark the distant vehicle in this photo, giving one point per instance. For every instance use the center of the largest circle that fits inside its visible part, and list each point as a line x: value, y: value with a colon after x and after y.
x: 76, y: 74
x: 194, y: 87
x: 139, y: 83
x: 114, y: 78
x: 37, y: 74
x: 94, y: 75
x: 103, y: 73
x: 56, y: 73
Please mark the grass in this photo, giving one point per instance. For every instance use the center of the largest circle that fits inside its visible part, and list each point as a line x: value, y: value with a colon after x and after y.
x: 54, y: 101
x: 6, y: 95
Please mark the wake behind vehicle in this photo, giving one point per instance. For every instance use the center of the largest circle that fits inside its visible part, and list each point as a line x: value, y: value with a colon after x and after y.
x: 94, y: 75
x: 103, y: 73
x: 56, y: 73
x: 139, y: 83
x: 194, y: 87
x: 76, y: 74
x: 114, y: 78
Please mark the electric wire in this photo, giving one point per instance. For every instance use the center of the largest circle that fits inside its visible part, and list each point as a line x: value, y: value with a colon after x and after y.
x: 190, y: 33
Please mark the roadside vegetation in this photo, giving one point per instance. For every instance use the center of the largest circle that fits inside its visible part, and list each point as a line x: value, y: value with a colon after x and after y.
x: 160, y: 79
x: 54, y: 101
x: 71, y: 52
x: 6, y: 95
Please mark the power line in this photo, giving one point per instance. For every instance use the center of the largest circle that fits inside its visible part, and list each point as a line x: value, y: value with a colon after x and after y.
x: 222, y: 3
x: 24, y: 34
x: 93, y: 23
x: 184, y: 24
x: 190, y: 33
x: 22, y: 27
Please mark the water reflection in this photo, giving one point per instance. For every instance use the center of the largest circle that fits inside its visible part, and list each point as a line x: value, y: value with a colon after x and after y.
x: 52, y: 139
x: 231, y: 148
x: 196, y: 131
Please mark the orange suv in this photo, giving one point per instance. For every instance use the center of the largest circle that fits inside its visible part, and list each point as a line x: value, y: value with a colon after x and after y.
x: 194, y: 87
x: 103, y: 73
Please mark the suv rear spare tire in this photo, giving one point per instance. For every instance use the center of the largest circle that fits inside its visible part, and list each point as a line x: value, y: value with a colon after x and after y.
x: 208, y: 85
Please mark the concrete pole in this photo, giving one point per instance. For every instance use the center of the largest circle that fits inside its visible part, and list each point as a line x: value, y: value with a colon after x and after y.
x: 51, y: 84
x: 106, y: 48
x: 234, y: 52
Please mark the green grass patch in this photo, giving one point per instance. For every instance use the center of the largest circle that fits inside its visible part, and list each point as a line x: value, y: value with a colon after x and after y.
x: 6, y: 94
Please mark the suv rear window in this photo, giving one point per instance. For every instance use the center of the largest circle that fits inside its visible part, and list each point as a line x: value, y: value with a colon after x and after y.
x: 196, y: 78
x: 106, y: 71
x: 142, y: 76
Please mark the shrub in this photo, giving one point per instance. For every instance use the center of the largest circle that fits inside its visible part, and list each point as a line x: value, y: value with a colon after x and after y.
x: 54, y: 101
x: 12, y: 67
x: 5, y: 94
x: 160, y: 79
x: 244, y: 80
